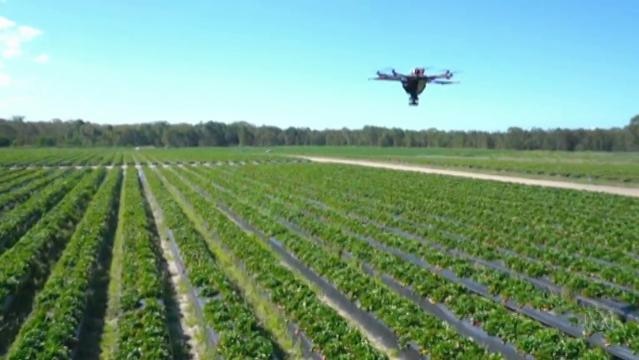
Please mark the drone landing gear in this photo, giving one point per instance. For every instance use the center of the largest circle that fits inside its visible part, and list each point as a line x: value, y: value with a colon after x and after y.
x: 413, y: 101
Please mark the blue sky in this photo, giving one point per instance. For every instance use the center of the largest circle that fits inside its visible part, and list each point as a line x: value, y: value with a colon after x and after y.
x: 524, y: 63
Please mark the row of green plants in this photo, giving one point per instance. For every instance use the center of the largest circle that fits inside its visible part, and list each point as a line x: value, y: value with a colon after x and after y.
x: 141, y: 316
x: 403, y: 317
x: 21, y: 218
x: 585, y: 166
x: 53, y: 327
x: 618, y: 172
x: 10, y: 175
x: 450, y: 207
x: 240, y: 335
x: 297, y: 300
x: 562, y: 215
x: 9, y: 180
x: 558, y: 221
x: 433, y: 225
x: 552, y: 233
x: 493, y: 317
x: 25, y: 267
x: 330, y: 223
x: 19, y: 194
x: 58, y: 156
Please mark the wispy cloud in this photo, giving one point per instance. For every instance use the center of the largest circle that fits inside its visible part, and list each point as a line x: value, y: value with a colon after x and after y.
x: 6, y: 23
x: 5, y: 79
x: 13, y: 36
x: 41, y: 59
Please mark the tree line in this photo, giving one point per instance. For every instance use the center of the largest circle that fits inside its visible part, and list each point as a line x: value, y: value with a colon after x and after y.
x: 17, y: 132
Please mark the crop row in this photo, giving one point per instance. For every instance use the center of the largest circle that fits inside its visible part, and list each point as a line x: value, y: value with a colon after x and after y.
x: 556, y: 221
x: 386, y: 305
x: 17, y: 221
x: 434, y: 227
x: 59, y: 156
x: 331, y: 223
x: 53, y: 327
x: 585, y: 165
x: 11, y: 179
x: 554, y: 216
x: 21, y: 193
x: 12, y: 175
x: 493, y: 316
x: 240, y: 335
x: 296, y: 299
x: 25, y: 266
x: 425, y: 210
x: 141, y: 313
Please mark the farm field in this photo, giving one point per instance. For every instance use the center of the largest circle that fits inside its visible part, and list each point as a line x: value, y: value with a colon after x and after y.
x: 242, y: 253
x: 22, y: 157
x: 582, y: 166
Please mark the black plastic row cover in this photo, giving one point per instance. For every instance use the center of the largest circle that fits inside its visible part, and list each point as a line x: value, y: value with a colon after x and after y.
x: 297, y: 335
x: 545, y: 318
x: 366, y: 320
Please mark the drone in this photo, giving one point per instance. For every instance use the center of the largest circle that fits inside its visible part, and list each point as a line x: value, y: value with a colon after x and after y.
x: 416, y: 82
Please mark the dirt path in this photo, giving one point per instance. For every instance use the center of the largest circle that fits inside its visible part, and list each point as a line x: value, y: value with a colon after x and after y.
x: 617, y: 190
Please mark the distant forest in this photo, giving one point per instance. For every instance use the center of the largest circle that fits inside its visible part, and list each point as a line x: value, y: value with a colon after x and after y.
x: 17, y: 132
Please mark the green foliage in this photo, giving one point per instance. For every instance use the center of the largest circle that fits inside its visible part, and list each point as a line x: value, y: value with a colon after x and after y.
x: 240, y: 334
x: 20, y: 219
x: 142, y: 318
x: 25, y: 266
x: 296, y: 299
x: 249, y: 200
x: 50, y: 331
x: 588, y: 166
x: 161, y: 134
x: 561, y: 236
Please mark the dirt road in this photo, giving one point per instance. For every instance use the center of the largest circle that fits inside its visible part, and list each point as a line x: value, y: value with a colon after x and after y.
x: 617, y: 190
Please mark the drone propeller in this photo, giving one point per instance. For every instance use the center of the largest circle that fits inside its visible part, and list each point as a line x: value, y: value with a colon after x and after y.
x: 386, y: 70
x: 445, y: 82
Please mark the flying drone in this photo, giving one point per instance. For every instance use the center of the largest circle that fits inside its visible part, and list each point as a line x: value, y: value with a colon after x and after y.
x: 416, y: 82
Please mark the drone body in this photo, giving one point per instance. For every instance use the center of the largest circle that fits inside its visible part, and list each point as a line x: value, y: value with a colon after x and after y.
x: 416, y: 82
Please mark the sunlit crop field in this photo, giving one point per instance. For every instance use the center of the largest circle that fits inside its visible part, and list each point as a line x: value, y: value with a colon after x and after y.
x: 582, y: 166
x: 247, y: 254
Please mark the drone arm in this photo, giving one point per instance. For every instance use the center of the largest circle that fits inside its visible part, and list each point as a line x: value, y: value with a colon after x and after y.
x: 387, y: 78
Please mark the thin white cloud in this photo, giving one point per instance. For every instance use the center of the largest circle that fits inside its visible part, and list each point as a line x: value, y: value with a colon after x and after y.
x: 41, y: 59
x: 5, y: 80
x: 12, y: 37
x: 11, y: 52
x: 28, y: 32
x: 6, y: 23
